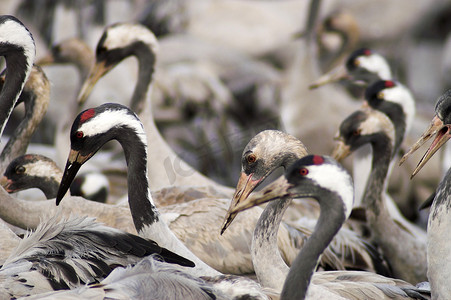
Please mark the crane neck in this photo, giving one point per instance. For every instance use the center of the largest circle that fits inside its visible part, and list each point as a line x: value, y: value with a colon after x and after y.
x: 49, y: 187
x: 391, y: 236
x: 146, y: 67
x: 264, y: 246
x: 146, y: 217
x: 382, y: 154
x: 396, y: 114
x: 36, y: 100
x: 169, y: 168
x: 143, y: 210
x: 331, y: 218
x: 17, y: 70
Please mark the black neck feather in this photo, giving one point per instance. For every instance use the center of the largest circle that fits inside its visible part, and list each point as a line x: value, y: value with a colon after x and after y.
x: 146, y: 59
x: 49, y: 187
x: 329, y: 223
x: 16, y: 71
x: 143, y: 212
x: 395, y: 113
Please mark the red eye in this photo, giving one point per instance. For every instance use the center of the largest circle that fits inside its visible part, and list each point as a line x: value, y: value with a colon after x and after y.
x: 356, y: 132
x: 79, y: 134
x: 303, y: 171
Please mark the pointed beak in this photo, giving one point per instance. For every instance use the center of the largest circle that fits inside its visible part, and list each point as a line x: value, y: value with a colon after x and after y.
x: 74, y: 162
x: 97, y: 71
x: 336, y: 74
x: 341, y: 151
x: 6, y: 184
x: 442, y: 135
x: 46, y: 60
x: 244, y: 187
x: 276, y: 190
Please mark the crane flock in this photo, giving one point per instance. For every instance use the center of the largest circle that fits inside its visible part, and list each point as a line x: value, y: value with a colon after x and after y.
x: 173, y: 232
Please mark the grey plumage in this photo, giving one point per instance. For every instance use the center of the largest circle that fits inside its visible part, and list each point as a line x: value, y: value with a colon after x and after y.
x: 266, y: 152
x: 149, y: 279
x: 120, y: 123
x: 438, y: 246
x: 70, y: 253
x: 374, y: 127
x: 331, y: 185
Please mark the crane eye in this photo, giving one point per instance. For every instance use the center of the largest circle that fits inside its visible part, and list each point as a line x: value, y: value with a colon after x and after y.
x: 20, y: 170
x: 251, y: 158
x: 79, y: 134
x: 357, y: 132
x: 303, y: 171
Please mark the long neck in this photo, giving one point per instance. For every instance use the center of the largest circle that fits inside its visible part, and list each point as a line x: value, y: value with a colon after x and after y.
x: 372, y: 198
x: 145, y: 214
x: 143, y: 210
x: 361, y: 169
x: 35, y: 108
x: 329, y: 223
x: 49, y: 185
x: 270, y: 268
x: 364, y: 160
x: 49, y: 188
x: 22, y: 213
x: 17, y: 72
x: 389, y: 235
x: 397, y: 115
x: 168, y: 168
x: 146, y: 60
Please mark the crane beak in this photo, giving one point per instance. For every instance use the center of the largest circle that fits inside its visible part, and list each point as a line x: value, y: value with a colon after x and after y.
x: 6, y: 183
x: 341, y: 151
x: 74, y: 162
x: 276, y: 190
x: 442, y: 135
x: 336, y: 74
x: 244, y: 187
x: 97, y: 71
x: 434, y: 127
